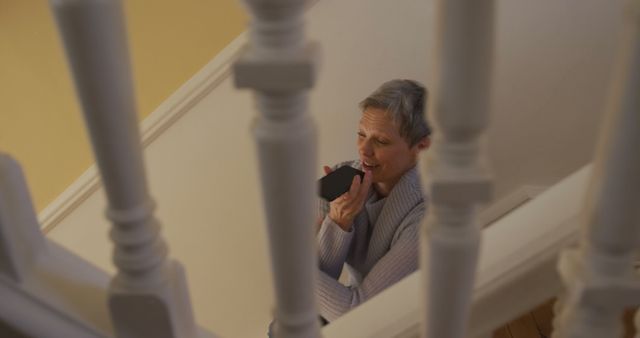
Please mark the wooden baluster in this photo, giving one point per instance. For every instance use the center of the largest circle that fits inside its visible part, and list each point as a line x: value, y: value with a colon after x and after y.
x: 279, y: 66
x: 456, y: 179
x: 148, y: 297
x: 599, y: 276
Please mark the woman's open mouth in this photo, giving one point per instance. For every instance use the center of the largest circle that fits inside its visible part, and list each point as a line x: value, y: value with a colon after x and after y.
x: 369, y: 166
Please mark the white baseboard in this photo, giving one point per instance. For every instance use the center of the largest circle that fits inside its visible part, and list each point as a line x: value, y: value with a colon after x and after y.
x: 172, y: 109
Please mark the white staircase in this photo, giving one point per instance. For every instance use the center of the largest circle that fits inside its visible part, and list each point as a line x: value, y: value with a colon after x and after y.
x: 46, y: 290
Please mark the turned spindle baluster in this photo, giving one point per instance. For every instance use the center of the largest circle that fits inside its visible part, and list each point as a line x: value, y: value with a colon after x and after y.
x: 148, y: 297
x: 456, y: 179
x: 279, y: 66
x: 599, y: 276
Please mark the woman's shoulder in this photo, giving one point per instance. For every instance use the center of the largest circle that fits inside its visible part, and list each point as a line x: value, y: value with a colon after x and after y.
x: 410, y: 224
x: 353, y: 163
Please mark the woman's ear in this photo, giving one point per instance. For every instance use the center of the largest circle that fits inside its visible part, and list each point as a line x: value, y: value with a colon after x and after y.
x: 424, y: 143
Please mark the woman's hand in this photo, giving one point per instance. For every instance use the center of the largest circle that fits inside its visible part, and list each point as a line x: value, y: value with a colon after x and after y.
x: 344, y: 209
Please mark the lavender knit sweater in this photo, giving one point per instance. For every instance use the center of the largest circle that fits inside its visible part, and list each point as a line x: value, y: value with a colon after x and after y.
x: 381, y: 249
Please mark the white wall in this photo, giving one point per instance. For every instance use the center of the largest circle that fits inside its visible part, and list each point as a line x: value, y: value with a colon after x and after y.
x: 552, y: 64
x: 551, y: 75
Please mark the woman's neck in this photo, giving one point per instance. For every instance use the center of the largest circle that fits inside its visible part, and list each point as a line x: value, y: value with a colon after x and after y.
x: 384, y: 188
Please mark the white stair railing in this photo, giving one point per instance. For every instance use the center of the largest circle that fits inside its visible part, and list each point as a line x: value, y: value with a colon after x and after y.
x: 279, y: 66
x: 599, y: 276
x: 148, y: 297
x: 456, y: 178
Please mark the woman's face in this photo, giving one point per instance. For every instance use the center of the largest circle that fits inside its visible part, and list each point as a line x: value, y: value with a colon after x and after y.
x: 383, y: 150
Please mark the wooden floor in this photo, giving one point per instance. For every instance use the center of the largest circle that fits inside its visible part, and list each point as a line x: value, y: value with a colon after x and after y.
x: 537, y: 324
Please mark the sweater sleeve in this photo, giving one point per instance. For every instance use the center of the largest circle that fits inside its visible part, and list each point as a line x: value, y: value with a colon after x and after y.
x: 401, y: 260
x: 333, y: 246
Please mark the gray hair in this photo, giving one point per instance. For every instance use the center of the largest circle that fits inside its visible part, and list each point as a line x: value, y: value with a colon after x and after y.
x: 404, y: 101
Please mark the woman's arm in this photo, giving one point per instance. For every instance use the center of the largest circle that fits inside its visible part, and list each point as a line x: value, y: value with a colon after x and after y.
x: 333, y: 247
x: 333, y: 242
x: 336, y: 230
x: 401, y: 260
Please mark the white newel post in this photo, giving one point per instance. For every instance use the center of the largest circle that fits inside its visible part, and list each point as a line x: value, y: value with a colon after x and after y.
x: 454, y: 170
x: 148, y: 296
x: 599, y: 276
x: 279, y: 65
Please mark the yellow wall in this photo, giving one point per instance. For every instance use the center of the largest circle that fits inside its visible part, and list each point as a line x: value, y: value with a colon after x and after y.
x: 40, y: 122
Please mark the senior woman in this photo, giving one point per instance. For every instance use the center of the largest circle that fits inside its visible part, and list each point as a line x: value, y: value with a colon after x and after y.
x: 372, y: 230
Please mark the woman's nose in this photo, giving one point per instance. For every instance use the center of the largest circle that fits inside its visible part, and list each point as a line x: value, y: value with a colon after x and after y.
x: 365, y: 148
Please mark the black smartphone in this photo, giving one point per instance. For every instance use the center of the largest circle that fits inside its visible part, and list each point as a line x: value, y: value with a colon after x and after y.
x: 338, y: 182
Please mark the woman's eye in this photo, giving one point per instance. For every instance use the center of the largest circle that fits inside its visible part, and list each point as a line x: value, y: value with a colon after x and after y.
x: 381, y: 142
x: 360, y: 135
